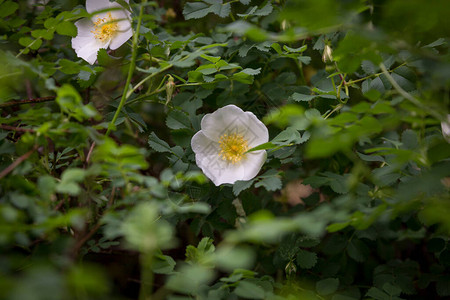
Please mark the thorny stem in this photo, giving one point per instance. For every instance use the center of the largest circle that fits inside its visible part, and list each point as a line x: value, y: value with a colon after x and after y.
x: 12, y: 128
x: 27, y: 101
x: 130, y: 70
x: 17, y: 162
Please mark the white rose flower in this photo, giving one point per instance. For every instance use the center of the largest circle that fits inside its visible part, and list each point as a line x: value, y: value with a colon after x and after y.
x: 220, y: 146
x: 446, y: 128
x: 107, y: 28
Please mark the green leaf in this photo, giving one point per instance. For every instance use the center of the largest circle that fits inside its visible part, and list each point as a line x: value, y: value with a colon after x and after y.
x: 202, y: 254
x: 69, y: 67
x: 277, y: 48
x: 69, y: 181
x: 405, y: 78
x: 51, y: 23
x: 443, y: 286
x: 231, y: 258
x: 163, y: 264
x: 306, y: 259
x: 30, y: 43
x: 250, y: 71
x: 241, y: 185
x: 342, y: 297
x: 42, y: 33
x: 378, y: 294
x: 197, y: 10
x: 270, y: 183
x: 66, y: 28
x: 354, y: 49
x: 287, y: 137
x: 327, y: 286
x: 265, y: 146
x: 157, y: 144
x: 392, y: 289
x: 337, y: 226
x: 357, y: 250
x: 212, y: 59
x: 177, y: 120
x: 249, y: 290
x: 243, y: 77
x: 195, y: 76
x: 7, y: 8
x: 264, y: 11
x: 302, y: 97
x: 189, y: 279
x: 295, y: 50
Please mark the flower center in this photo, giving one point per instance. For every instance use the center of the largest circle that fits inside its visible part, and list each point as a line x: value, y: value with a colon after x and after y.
x: 232, y: 147
x: 105, y: 28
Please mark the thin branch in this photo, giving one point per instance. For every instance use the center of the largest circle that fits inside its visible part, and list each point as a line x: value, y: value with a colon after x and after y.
x: 81, y: 242
x: 17, y: 162
x: 88, y: 157
x: 12, y: 128
x: 408, y: 96
x: 60, y: 203
x: 27, y: 101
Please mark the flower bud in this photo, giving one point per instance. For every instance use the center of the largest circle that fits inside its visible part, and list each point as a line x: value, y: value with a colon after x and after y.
x: 327, y: 54
x: 170, y: 87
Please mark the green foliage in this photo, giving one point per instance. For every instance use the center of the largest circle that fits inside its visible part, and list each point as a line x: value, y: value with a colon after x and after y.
x: 100, y: 194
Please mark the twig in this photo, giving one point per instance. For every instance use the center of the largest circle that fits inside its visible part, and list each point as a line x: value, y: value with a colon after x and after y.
x: 27, y: 101
x: 88, y: 157
x: 29, y: 89
x: 111, y: 197
x: 81, y: 242
x: 60, y: 203
x: 17, y: 162
x: 12, y: 128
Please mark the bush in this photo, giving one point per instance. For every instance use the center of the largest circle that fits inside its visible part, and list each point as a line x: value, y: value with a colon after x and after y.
x: 224, y: 150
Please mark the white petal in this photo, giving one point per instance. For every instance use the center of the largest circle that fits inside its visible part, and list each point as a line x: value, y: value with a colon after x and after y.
x: 201, y: 144
x: 446, y: 128
x: 218, y: 170
x: 85, y: 28
x: 87, y: 48
x: 124, y: 34
x: 93, y: 6
x: 115, y: 4
x: 257, y: 132
x: 225, y: 119
x: 253, y: 163
x: 208, y: 159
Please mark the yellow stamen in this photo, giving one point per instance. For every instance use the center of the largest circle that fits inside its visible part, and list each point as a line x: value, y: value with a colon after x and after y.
x: 105, y: 28
x: 233, y: 147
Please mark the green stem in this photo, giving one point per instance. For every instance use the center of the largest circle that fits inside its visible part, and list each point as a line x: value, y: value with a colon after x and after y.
x: 373, y: 75
x: 408, y: 96
x: 338, y: 107
x: 146, y: 290
x: 147, y: 78
x: 130, y: 71
x: 23, y: 50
